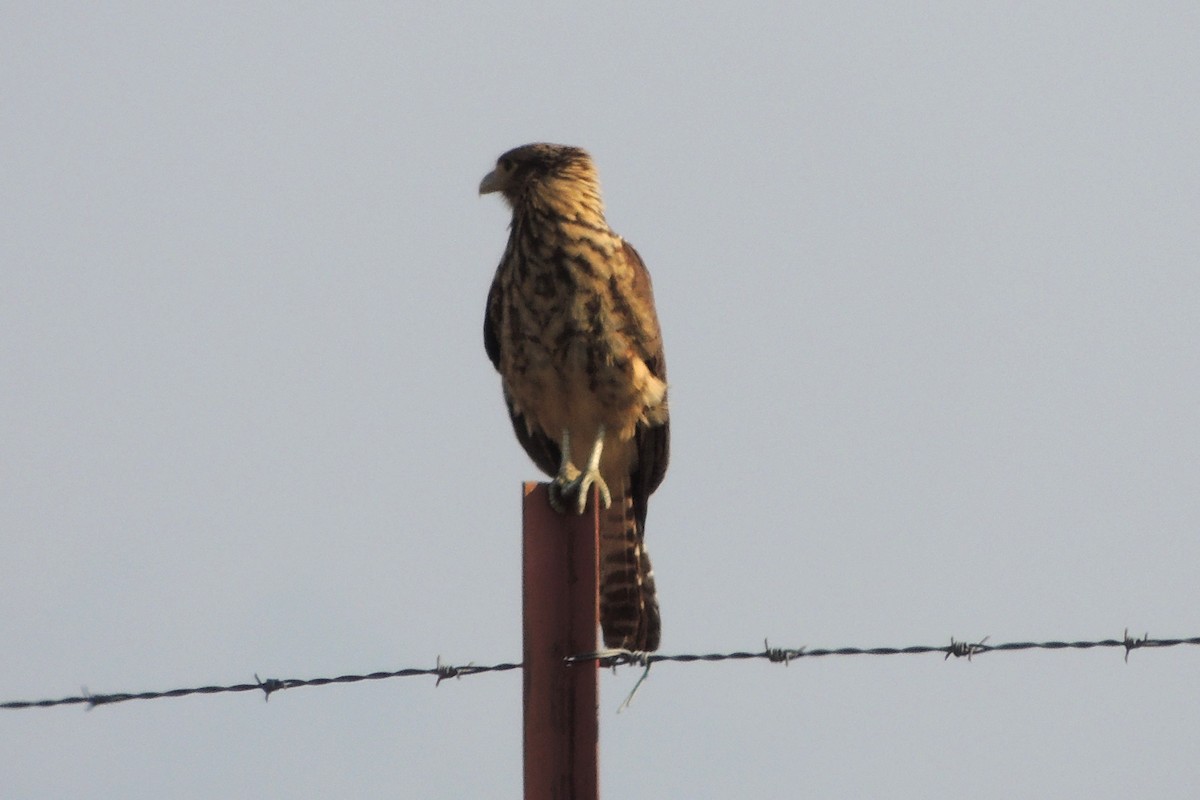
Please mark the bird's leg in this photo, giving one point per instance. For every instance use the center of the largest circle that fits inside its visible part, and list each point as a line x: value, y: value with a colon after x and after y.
x: 571, y: 481
x: 591, y: 474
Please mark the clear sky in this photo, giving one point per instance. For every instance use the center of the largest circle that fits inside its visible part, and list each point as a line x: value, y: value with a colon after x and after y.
x: 928, y: 283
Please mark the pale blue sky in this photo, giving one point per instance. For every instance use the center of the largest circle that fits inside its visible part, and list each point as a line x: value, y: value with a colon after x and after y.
x: 928, y: 284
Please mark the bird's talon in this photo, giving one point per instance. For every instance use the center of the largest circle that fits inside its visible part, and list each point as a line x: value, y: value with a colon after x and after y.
x: 560, y: 488
x: 573, y: 492
x: 585, y: 482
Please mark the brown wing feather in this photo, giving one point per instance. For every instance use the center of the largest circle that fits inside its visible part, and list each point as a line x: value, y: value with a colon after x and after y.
x: 545, y: 453
x: 543, y: 450
x: 652, y: 441
x: 492, y: 316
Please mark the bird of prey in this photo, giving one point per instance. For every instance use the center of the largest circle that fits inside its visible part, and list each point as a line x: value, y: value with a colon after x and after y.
x: 571, y: 328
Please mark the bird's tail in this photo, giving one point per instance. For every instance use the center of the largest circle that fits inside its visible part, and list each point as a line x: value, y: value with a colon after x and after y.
x: 628, y: 603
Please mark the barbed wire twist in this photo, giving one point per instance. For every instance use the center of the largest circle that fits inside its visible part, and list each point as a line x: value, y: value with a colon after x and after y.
x: 615, y: 658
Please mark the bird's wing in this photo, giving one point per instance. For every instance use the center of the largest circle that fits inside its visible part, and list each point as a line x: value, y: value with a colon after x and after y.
x: 652, y: 441
x: 543, y: 450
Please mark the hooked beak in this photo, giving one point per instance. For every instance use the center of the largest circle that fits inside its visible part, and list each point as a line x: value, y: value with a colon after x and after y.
x: 491, y: 183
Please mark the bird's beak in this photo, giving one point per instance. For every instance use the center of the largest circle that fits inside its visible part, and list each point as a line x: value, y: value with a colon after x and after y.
x: 491, y: 183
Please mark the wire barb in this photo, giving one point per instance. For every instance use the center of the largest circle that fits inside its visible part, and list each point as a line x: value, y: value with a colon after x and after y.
x: 779, y: 655
x: 268, y: 686
x: 1134, y: 644
x: 446, y: 671
x: 966, y: 649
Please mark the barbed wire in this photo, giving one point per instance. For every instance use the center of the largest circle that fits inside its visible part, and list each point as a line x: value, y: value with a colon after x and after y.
x: 612, y: 658
x: 780, y: 655
x: 441, y: 671
x: 616, y: 658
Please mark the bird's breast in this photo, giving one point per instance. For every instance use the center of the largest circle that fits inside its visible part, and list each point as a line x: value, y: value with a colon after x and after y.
x: 568, y: 358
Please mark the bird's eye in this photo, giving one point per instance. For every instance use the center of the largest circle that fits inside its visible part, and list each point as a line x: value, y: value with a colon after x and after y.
x: 506, y: 164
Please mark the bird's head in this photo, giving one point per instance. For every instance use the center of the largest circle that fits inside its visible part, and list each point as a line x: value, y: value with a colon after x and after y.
x: 557, y: 172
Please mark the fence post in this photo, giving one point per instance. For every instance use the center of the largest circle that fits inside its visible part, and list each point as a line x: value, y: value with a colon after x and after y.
x: 561, y: 614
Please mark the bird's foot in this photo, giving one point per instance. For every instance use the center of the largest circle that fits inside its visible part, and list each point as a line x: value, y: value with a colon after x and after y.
x: 570, y: 490
x: 560, y: 487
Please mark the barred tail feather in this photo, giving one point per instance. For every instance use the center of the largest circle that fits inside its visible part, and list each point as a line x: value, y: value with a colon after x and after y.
x: 628, y: 604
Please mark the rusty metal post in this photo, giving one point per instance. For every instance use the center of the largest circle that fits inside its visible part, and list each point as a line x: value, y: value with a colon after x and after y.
x: 561, y: 614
